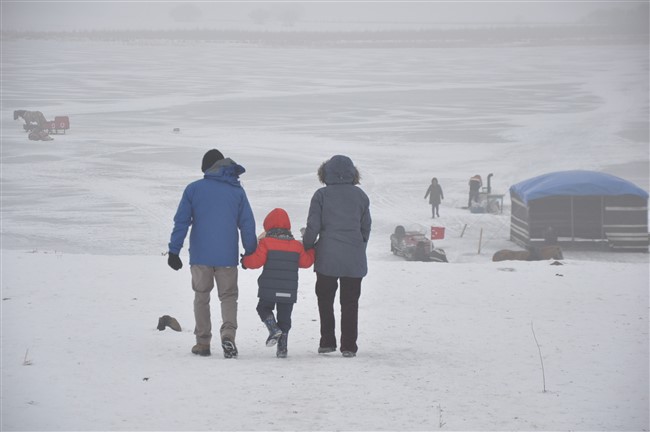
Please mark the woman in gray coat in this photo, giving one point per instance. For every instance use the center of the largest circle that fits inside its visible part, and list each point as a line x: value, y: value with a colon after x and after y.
x: 338, y: 226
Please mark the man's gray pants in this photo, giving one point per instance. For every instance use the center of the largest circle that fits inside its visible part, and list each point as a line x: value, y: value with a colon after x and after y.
x: 203, y: 280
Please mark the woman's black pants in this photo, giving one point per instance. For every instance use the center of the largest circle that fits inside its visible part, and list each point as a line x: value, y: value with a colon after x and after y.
x: 326, y: 287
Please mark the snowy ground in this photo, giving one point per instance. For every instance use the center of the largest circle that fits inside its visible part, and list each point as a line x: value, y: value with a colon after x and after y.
x: 86, y: 219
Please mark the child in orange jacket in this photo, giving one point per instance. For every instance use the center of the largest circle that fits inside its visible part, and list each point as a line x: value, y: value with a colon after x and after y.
x: 282, y: 256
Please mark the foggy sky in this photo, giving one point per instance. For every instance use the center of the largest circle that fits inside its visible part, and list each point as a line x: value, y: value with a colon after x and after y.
x: 102, y: 15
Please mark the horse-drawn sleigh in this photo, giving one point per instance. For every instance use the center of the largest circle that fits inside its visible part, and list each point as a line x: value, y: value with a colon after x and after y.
x: 38, y: 128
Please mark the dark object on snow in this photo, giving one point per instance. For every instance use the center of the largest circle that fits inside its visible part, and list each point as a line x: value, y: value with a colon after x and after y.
x: 177, y: 130
x: 39, y: 135
x: 174, y: 261
x: 414, y: 246
x: 168, y: 321
x: 585, y: 208
x: 533, y: 254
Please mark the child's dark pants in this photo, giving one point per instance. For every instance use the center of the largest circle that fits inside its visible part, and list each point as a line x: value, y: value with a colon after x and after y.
x: 265, y: 308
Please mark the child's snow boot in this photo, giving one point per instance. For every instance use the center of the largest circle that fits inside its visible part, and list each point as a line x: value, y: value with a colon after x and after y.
x: 274, y: 330
x: 282, y: 346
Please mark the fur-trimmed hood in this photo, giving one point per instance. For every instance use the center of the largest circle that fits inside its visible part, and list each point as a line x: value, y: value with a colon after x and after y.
x: 338, y: 170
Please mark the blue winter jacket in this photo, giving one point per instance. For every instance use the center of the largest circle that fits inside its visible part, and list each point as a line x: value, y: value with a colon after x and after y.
x: 217, y: 209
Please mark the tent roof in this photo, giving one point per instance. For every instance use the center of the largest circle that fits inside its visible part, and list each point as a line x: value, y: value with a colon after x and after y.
x: 575, y: 183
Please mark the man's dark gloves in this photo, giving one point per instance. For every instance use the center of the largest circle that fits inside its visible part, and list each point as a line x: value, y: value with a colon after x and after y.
x: 174, y: 261
x: 241, y: 261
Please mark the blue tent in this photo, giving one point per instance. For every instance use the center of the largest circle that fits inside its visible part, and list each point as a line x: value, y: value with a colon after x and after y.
x: 580, y: 207
x: 575, y: 183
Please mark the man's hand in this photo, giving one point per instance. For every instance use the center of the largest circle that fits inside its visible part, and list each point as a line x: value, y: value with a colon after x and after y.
x: 174, y: 261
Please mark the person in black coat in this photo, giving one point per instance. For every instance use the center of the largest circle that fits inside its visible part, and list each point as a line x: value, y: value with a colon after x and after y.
x: 434, y: 192
x: 475, y: 184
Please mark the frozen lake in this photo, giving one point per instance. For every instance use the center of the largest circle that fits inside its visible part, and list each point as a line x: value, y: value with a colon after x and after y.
x: 111, y: 185
x: 442, y: 346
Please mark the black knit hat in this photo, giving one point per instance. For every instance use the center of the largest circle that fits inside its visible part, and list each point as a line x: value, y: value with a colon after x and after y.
x: 210, y: 158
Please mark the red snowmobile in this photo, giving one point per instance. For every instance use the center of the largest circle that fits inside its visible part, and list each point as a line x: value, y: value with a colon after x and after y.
x: 414, y: 246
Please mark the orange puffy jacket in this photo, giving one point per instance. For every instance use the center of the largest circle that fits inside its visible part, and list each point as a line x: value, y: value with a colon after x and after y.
x: 282, y: 256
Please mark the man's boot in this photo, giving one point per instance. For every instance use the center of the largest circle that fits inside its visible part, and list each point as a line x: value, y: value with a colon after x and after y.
x: 274, y: 330
x: 229, y: 348
x: 201, y: 349
x: 282, y: 346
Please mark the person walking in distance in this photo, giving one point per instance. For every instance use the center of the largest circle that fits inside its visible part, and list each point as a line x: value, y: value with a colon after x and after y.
x: 338, y: 227
x: 434, y: 192
x: 475, y: 184
x: 217, y: 209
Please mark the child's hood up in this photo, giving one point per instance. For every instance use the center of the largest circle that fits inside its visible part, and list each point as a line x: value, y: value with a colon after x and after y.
x: 277, y: 218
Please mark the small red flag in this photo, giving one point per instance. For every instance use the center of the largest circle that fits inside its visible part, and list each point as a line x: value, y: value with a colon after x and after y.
x: 437, y: 233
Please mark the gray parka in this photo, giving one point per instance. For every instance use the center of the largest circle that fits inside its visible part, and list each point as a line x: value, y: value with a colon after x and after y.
x: 338, y: 224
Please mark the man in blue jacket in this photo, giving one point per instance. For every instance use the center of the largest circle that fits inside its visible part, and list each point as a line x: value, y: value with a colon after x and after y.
x: 218, y: 210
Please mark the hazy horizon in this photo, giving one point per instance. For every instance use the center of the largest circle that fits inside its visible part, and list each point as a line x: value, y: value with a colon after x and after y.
x: 156, y: 15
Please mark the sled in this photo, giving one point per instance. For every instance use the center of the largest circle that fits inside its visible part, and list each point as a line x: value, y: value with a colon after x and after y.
x: 60, y: 123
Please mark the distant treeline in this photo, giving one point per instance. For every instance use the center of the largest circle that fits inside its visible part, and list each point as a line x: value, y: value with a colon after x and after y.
x: 523, y: 34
